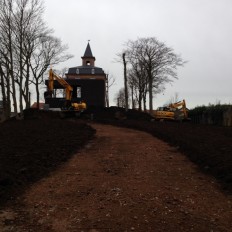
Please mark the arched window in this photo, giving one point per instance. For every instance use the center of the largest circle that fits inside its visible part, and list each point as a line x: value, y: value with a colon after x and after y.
x: 77, y: 71
x: 78, y: 92
x: 93, y: 71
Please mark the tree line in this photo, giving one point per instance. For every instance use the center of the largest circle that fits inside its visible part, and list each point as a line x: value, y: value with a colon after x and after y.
x: 148, y: 64
x: 27, y: 48
x: 214, y: 114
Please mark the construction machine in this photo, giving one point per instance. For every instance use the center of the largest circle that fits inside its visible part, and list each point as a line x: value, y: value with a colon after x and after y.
x: 68, y: 106
x: 174, y: 112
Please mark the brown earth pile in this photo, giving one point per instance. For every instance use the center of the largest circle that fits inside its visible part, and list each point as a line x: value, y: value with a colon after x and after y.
x: 110, y: 184
x: 210, y: 147
x: 30, y: 149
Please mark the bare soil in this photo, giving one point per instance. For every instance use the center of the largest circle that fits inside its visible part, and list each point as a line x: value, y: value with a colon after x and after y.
x: 73, y: 175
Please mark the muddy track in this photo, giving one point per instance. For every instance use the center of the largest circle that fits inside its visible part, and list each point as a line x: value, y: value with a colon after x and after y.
x: 123, y: 180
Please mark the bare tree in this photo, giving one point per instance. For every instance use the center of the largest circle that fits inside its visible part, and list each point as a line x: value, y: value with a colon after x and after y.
x: 62, y: 72
x: 27, y: 48
x: 173, y: 99
x: 138, y: 82
x: 159, y: 61
x: 28, y: 26
x: 7, y: 55
x: 49, y: 51
x: 110, y: 80
x: 120, y: 98
x: 132, y: 89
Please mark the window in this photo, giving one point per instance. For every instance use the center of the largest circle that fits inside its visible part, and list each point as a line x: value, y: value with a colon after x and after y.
x: 93, y: 71
x: 77, y: 71
x: 87, y: 62
x: 78, y: 92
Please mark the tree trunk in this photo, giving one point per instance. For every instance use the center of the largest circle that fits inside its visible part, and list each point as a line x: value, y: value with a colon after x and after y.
x: 150, y: 90
x: 37, y: 93
x: 132, y: 97
x: 107, y: 91
x: 3, y: 91
x: 144, y: 100
x: 27, y: 99
x: 13, y: 93
x: 10, y: 74
x: 125, y: 82
x: 21, y: 74
x: 140, y: 100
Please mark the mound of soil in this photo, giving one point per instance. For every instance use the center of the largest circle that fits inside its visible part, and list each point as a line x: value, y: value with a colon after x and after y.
x: 210, y: 147
x: 111, y: 114
x: 30, y: 149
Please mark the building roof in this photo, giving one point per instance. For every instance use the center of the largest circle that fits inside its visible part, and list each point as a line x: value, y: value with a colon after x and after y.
x: 88, y: 69
x: 88, y: 52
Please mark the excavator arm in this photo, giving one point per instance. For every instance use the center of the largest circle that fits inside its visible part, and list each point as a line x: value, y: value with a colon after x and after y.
x: 174, y: 111
x: 67, y: 87
x: 69, y: 105
x: 181, y: 105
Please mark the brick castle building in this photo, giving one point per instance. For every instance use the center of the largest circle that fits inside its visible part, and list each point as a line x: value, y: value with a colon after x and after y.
x: 88, y: 82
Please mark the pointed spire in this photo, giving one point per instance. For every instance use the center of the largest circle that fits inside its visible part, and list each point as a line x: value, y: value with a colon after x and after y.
x: 88, y: 58
x: 88, y: 52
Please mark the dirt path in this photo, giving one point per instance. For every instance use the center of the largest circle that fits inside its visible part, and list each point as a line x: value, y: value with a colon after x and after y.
x: 124, y: 180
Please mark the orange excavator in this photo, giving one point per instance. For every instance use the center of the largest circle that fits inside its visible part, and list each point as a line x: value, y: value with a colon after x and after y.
x: 69, y: 106
x: 174, y: 111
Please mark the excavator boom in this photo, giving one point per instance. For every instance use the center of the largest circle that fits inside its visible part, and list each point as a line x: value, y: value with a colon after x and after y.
x: 68, y: 88
x: 69, y: 105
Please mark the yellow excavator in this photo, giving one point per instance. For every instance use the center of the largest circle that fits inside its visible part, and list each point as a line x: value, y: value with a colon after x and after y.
x: 69, y: 105
x: 174, y: 111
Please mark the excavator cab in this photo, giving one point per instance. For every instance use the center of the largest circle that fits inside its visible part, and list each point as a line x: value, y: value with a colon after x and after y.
x: 174, y: 111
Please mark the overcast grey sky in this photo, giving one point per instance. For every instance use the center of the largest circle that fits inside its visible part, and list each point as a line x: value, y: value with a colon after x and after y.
x: 199, y: 30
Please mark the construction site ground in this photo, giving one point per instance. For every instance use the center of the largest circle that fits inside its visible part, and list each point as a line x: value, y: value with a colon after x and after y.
x: 74, y: 175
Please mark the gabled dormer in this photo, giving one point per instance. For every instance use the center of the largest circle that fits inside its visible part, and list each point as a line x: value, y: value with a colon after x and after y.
x: 88, y: 59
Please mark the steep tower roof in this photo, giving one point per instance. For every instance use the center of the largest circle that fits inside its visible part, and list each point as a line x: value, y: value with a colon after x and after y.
x: 88, y: 52
x: 88, y: 66
x: 88, y: 58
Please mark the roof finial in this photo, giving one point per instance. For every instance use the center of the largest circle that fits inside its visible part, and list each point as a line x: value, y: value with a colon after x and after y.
x: 88, y: 40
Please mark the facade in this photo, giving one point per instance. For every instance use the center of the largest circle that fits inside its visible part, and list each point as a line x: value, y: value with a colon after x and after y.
x: 88, y: 82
